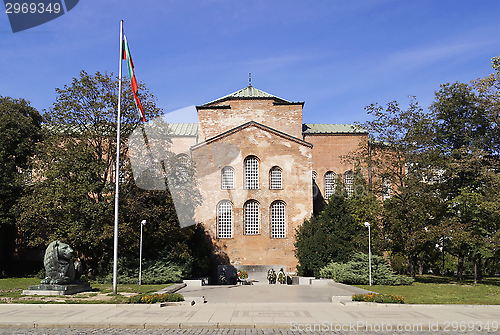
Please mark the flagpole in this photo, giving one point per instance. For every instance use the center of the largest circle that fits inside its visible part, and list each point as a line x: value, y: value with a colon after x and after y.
x: 117, y: 169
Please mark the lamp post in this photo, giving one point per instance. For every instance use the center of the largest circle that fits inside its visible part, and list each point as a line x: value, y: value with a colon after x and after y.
x: 367, y: 225
x: 143, y: 223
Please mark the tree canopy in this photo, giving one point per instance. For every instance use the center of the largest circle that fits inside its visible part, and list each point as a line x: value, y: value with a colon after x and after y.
x: 441, y: 170
x: 72, y: 197
x: 20, y: 131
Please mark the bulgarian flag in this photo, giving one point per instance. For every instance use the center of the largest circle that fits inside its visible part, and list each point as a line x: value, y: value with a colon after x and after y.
x: 126, y: 55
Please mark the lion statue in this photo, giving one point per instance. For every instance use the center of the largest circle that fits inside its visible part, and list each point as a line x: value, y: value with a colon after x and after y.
x: 59, y: 268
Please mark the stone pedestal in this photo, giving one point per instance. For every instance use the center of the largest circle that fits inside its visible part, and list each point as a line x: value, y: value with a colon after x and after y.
x: 46, y: 289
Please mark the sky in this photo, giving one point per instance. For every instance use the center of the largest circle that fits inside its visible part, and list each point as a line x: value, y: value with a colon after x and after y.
x: 337, y: 56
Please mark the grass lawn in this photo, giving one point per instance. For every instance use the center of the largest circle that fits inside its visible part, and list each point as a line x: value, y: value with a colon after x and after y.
x: 444, y: 290
x: 11, y: 292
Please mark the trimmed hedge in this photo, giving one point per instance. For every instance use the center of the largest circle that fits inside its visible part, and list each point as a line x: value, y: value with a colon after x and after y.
x: 356, y: 272
x: 381, y: 298
x: 155, y: 298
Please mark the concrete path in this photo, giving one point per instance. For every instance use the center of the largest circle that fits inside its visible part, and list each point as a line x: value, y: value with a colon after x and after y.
x: 270, y: 293
x: 238, y: 307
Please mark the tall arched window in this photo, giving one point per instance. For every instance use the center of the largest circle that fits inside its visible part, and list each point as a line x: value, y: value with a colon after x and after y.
x: 349, y: 183
x: 225, y: 219
x: 275, y: 180
x: 182, y: 166
x: 251, y: 173
x: 227, y: 178
x: 314, y: 185
x: 278, y: 222
x: 252, y: 226
x: 329, y: 184
x: 386, y: 188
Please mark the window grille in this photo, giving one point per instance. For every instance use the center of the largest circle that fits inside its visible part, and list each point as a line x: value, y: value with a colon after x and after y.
x: 386, y: 189
x: 275, y: 178
x: 252, y: 218
x: 349, y: 183
x: 225, y: 220
x: 227, y: 178
x: 329, y: 184
x: 278, y: 227
x: 315, y: 188
x: 251, y: 173
x: 183, y: 164
x: 121, y: 172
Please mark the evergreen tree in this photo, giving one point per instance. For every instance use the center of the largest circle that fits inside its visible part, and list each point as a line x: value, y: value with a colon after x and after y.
x: 327, y: 237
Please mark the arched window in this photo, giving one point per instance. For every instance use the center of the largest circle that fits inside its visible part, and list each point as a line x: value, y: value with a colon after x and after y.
x: 251, y: 173
x: 278, y: 222
x: 275, y: 180
x: 183, y: 165
x: 349, y: 183
x: 314, y: 185
x: 227, y: 178
x: 252, y: 226
x: 225, y: 219
x: 386, y: 189
x: 329, y: 184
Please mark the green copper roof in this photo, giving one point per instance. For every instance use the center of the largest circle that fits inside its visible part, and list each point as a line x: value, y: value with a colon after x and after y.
x: 191, y: 129
x: 183, y: 129
x: 326, y: 128
x: 248, y: 92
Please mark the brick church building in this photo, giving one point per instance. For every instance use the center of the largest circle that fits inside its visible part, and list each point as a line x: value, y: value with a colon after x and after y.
x: 261, y: 167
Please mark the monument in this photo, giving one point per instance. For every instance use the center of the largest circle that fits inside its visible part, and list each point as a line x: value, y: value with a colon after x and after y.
x: 62, y: 274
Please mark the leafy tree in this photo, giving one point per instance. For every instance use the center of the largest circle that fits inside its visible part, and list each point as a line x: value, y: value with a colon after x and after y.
x: 20, y: 130
x: 365, y: 206
x: 327, y: 237
x: 488, y: 91
x: 464, y: 142
x: 73, y: 197
x: 396, y: 158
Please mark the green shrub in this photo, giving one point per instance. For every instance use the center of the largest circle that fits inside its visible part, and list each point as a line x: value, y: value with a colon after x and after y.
x: 380, y: 298
x: 153, y: 272
x: 155, y: 298
x: 356, y: 272
x: 41, y: 274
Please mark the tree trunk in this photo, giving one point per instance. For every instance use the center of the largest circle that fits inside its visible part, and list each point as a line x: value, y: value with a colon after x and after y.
x: 475, y: 271
x: 420, y: 267
x: 411, y: 266
x: 479, y: 267
x: 460, y: 267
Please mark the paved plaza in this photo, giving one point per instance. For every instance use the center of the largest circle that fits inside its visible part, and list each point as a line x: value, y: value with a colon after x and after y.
x: 252, y: 309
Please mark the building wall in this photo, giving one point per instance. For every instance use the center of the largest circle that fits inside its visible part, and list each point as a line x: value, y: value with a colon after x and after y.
x: 292, y: 156
x: 285, y: 118
x: 225, y: 139
x: 328, y: 150
x: 182, y: 144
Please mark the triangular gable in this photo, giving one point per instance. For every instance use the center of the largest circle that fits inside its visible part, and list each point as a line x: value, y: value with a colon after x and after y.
x: 252, y: 124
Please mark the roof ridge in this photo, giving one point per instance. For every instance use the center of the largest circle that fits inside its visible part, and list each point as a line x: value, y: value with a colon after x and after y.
x: 247, y: 92
x: 332, y: 128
